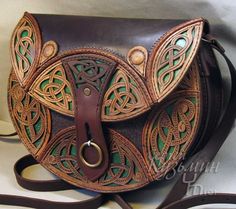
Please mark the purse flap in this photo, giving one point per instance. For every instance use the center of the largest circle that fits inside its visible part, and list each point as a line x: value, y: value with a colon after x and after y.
x: 153, y: 57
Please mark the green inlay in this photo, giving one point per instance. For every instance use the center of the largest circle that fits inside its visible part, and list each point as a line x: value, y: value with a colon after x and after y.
x: 192, y: 122
x: 160, y: 143
x: 43, y: 84
x: 155, y: 159
x: 121, y: 89
x: 106, y: 176
x: 65, y: 164
x: 70, y: 106
x: 17, y: 58
x: 58, y: 81
x: 176, y: 73
x: 170, y: 152
x: 165, y: 130
x: 124, y: 174
x: 73, y: 150
x: 28, y: 131
x: 112, y: 185
x: 193, y: 100
x: 166, y: 78
x: 63, y: 152
x: 59, y: 95
x: 107, y: 110
x: 24, y: 33
x: 54, y: 151
x: 162, y: 70
x: 188, y: 51
x: 38, y: 143
x: 115, y: 170
x: 38, y: 126
x: 183, y: 134
x: 176, y: 61
x: 127, y: 162
x: 116, y: 158
x: 67, y: 90
x: 59, y: 73
x: 181, y: 42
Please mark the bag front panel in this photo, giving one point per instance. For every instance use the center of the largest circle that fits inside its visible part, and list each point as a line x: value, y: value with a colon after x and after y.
x: 150, y: 107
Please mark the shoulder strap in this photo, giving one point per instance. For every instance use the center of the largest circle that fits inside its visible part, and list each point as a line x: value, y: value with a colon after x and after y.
x: 51, y: 185
x: 8, y: 135
x: 202, y: 158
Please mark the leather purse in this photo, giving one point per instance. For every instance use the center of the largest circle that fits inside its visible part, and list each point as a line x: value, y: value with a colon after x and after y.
x: 112, y: 105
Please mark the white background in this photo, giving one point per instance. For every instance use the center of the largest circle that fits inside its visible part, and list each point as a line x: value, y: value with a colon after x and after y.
x: 221, y: 15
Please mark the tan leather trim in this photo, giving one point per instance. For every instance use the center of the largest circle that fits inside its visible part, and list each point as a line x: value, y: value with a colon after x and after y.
x: 171, y: 58
x: 26, y: 113
x: 30, y: 45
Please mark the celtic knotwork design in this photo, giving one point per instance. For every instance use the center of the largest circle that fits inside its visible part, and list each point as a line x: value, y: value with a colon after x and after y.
x: 171, y: 127
x: 53, y: 89
x: 25, y: 46
x: 126, y: 171
x: 31, y: 119
x: 89, y: 71
x: 191, y: 80
x: 123, y: 98
x: 171, y: 58
x: 169, y: 132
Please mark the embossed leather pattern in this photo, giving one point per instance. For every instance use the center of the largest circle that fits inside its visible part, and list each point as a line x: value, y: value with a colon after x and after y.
x: 110, y: 104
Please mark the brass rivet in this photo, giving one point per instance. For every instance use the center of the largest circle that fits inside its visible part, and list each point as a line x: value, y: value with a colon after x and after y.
x: 48, y: 50
x: 137, y: 57
x: 87, y: 91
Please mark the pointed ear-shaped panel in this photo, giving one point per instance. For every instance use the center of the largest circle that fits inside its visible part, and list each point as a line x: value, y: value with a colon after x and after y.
x: 53, y: 89
x: 25, y: 48
x: 171, y: 57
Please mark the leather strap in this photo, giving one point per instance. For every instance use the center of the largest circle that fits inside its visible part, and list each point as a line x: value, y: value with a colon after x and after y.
x: 51, y: 185
x: 8, y: 135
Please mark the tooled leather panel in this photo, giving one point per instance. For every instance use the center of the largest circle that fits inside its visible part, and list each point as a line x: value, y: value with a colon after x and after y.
x: 25, y: 48
x: 32, y: 120
x: 171, y: 58
x: 126, y: 171
x: 27, y: 51
x: 172, y: 127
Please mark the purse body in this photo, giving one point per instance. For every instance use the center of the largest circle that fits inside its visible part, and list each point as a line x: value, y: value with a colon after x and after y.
x: 112, y: 104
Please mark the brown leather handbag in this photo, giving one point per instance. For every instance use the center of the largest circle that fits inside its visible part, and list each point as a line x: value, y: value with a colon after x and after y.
x: 112, y: 105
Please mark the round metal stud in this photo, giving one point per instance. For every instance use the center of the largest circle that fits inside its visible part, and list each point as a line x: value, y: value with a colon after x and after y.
x: 137, y: 57
x: 87, y: 91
